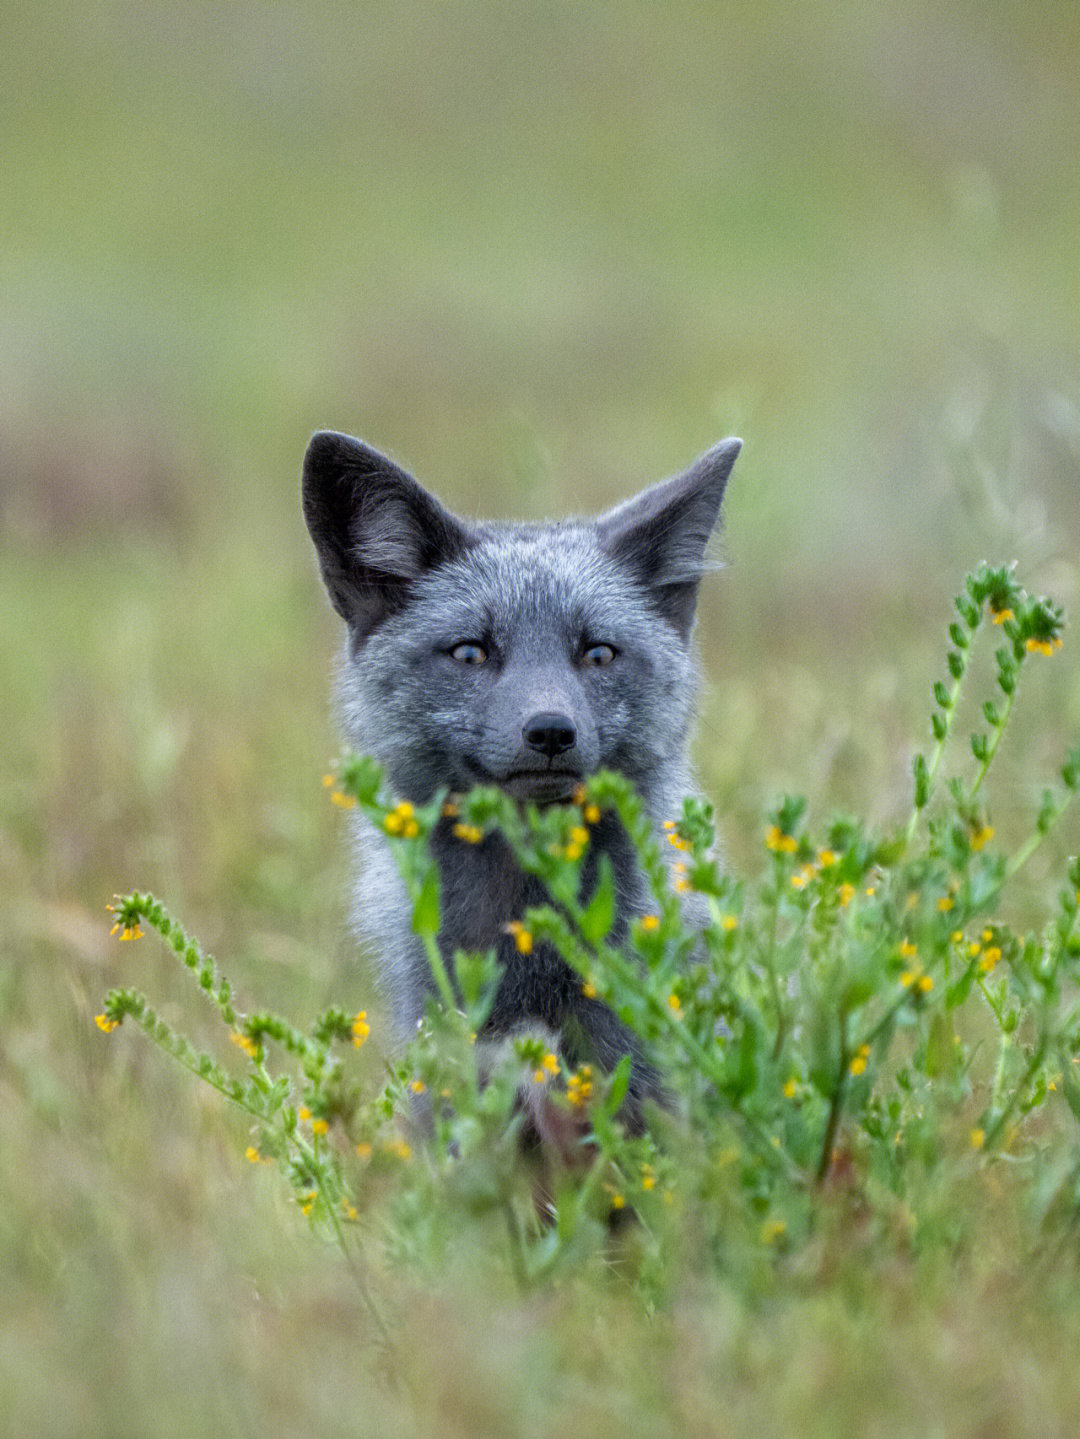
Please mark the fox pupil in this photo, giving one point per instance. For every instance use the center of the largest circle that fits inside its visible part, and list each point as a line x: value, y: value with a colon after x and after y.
x: 469, y: 653
x: 597, y: 655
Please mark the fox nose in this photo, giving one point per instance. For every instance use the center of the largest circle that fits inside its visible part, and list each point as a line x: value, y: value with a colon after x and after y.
x: 549, y: 734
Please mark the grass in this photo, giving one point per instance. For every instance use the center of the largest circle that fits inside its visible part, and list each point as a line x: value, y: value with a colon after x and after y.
x: 543, y: 261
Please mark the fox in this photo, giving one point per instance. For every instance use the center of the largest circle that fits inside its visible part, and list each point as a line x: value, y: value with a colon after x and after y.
x: 526, y: 655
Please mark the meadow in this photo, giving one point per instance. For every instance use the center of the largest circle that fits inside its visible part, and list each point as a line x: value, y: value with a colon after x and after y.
x: 542, y: 256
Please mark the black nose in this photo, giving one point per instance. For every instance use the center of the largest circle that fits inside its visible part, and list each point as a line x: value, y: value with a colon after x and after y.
x: 549, y: 734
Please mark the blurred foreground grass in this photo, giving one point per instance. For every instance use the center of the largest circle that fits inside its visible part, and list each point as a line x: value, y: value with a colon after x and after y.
x: 544, y: 257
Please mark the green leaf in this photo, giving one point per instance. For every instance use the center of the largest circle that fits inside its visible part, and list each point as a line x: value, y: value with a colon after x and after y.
x: 599, y: 914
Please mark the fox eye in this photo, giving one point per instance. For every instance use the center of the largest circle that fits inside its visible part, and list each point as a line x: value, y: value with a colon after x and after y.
x: 468, y: 652
x: 593, y: 656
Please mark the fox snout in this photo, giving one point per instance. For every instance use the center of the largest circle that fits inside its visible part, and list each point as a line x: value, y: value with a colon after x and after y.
x: 549, y: 734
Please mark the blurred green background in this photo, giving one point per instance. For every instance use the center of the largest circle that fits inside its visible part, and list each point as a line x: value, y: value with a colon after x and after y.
x: 543, y: 254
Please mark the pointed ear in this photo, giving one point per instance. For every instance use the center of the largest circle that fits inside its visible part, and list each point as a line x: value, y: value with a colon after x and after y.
x: 375, y: 529
x: 661, y: 534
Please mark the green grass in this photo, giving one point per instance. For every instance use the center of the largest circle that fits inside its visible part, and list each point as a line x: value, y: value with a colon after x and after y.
x: 543, y: 256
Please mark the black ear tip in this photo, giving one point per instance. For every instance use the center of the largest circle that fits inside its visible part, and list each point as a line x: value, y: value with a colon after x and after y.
x: 324, y: 447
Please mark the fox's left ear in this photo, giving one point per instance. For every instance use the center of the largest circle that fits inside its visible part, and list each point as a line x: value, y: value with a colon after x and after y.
x: 662, y: 533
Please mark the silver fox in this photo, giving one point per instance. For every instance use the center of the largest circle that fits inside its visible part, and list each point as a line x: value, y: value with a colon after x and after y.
x: 522, y: 655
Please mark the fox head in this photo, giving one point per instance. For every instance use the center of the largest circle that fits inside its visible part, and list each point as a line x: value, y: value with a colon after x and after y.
x: 524, y: 655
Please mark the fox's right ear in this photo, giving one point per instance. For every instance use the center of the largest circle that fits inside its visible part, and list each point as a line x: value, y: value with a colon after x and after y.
x: 375, y: 529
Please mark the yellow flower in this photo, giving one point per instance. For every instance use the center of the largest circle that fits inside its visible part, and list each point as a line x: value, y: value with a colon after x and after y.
x: 470, y: 833
x: 669, y: 824
x: 128, y: 931
x: 858, y: 1063
x: 303, y: 1112
x: 351, y: 1211
x: 648, y: 1181
x: 1000, y: 616
x: 675, y: 1003
x: 588, y: 989
x: 523, y: 940
x: 246, y: 1043
x: 728, y: 922
x: 363, y: 1149
x: 400, y: 1148
x: 978, y: 1138
x: 573, y: 852
x: 650, y: 921
x: 252, y: 1154
x: 579, y: 1086
x: 320, y: 1126
x: 826, y: 858
x: 945, y: 903
x: 618, y: 1201
x: 991, y: 956
x: 579, y: 835
x: 450, y: 810
x: 393, y: 822
x: 791, y: 1088
x: 591, y: 813
x: 677, y: 842
x: 982, y: 837
x: 924, y: 984
x: 343, y: 801
x: 845, y: 894
x: 417, y: 1086
x: 1043, y: 647
x: 360, y: 1028
x: 105, y: 1024
x: 779, y: 842
x: 907, y: 949
x: 309, y: 1203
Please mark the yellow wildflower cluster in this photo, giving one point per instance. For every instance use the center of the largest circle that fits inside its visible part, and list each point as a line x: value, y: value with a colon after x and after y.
x: 105, y: 1024
x: 999, y: 617
x: 1043, y: 647
x: 470, y: 833
x: 337, y: 796
x: 675, y: 1004
x: 650, y: 922
x: 858, y: 1063
x: 523, y: 940
x: 402, y: 820
x: 675, y: 839
x: 246, y: 1043
x: 417, y: 1086
x: 648, y: 1177
x: 360, y: 1028
x: 549, y: 1065
x: 779, y: 842
x: 579, y: 1087
x: 981, y: 837
x: 588, y: 989
x: 579, y: 838
x: 916, y: 980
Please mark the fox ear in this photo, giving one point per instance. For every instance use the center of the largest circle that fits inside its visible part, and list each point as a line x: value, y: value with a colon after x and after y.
x: 375, y: 529
x: 662, y: 533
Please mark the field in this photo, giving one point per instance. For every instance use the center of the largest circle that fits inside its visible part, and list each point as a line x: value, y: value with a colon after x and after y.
x: 542, y: 254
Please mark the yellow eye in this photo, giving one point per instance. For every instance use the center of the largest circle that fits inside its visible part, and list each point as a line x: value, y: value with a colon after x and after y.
x: 469, y: 653
x: 596, y: 655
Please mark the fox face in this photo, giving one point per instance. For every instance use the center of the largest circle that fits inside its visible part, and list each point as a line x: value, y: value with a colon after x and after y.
x: 522, y: 655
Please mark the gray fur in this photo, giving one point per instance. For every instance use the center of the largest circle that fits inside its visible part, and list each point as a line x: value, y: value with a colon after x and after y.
x: 413, y: 582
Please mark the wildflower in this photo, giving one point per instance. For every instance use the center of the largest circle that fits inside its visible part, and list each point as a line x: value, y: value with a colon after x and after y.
x: 908, y: 978
x: 252, y: 1154
x: 650, y: 922
x: 991, y: 956
x: 329, y: 781
x: 1000, y: 616
x: 343, y: 801
x: 826, y: 858
x: 308, y: 1204
x: 105, y: 1024
x: 618, y: 1201
x: 858, y: 1063
x: 1043, y: 647
x: 845, y: 894
x: 363, y: 1149
x: 470, y: 833
x: 772, y: 1230
x: 246, y: 1043
x: 351, y: 1211
x: 987, y: 935
x: 779, y: 842
x: 683, y: 886
x: 320, y: 1126
x: 977, y: 1138
x: 675, y: 1004
x: 579, y: 1087
x: 729, y: 922
x: 127, y: 931
x: 973, y: 948
x: 677, y: 842
x: 360, y: 1028
x: 591, y: 813
x: 400, y: 1148
x: 803, y: 878
x: 956, y: 937
x: 908, y: 950
x: 523, y: 940
x: 549, y: 1065
x: 588, y: 989
x: 573, y: 852
x: 791, y: 1088
x: 417, y: 1086
x: 648, y: 1178
x: 579, y: 835
x: 981, y: 837
x: 924, y: 984
x: 304, y: 1113
x: 945, y: 903
x: 450, y: 810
